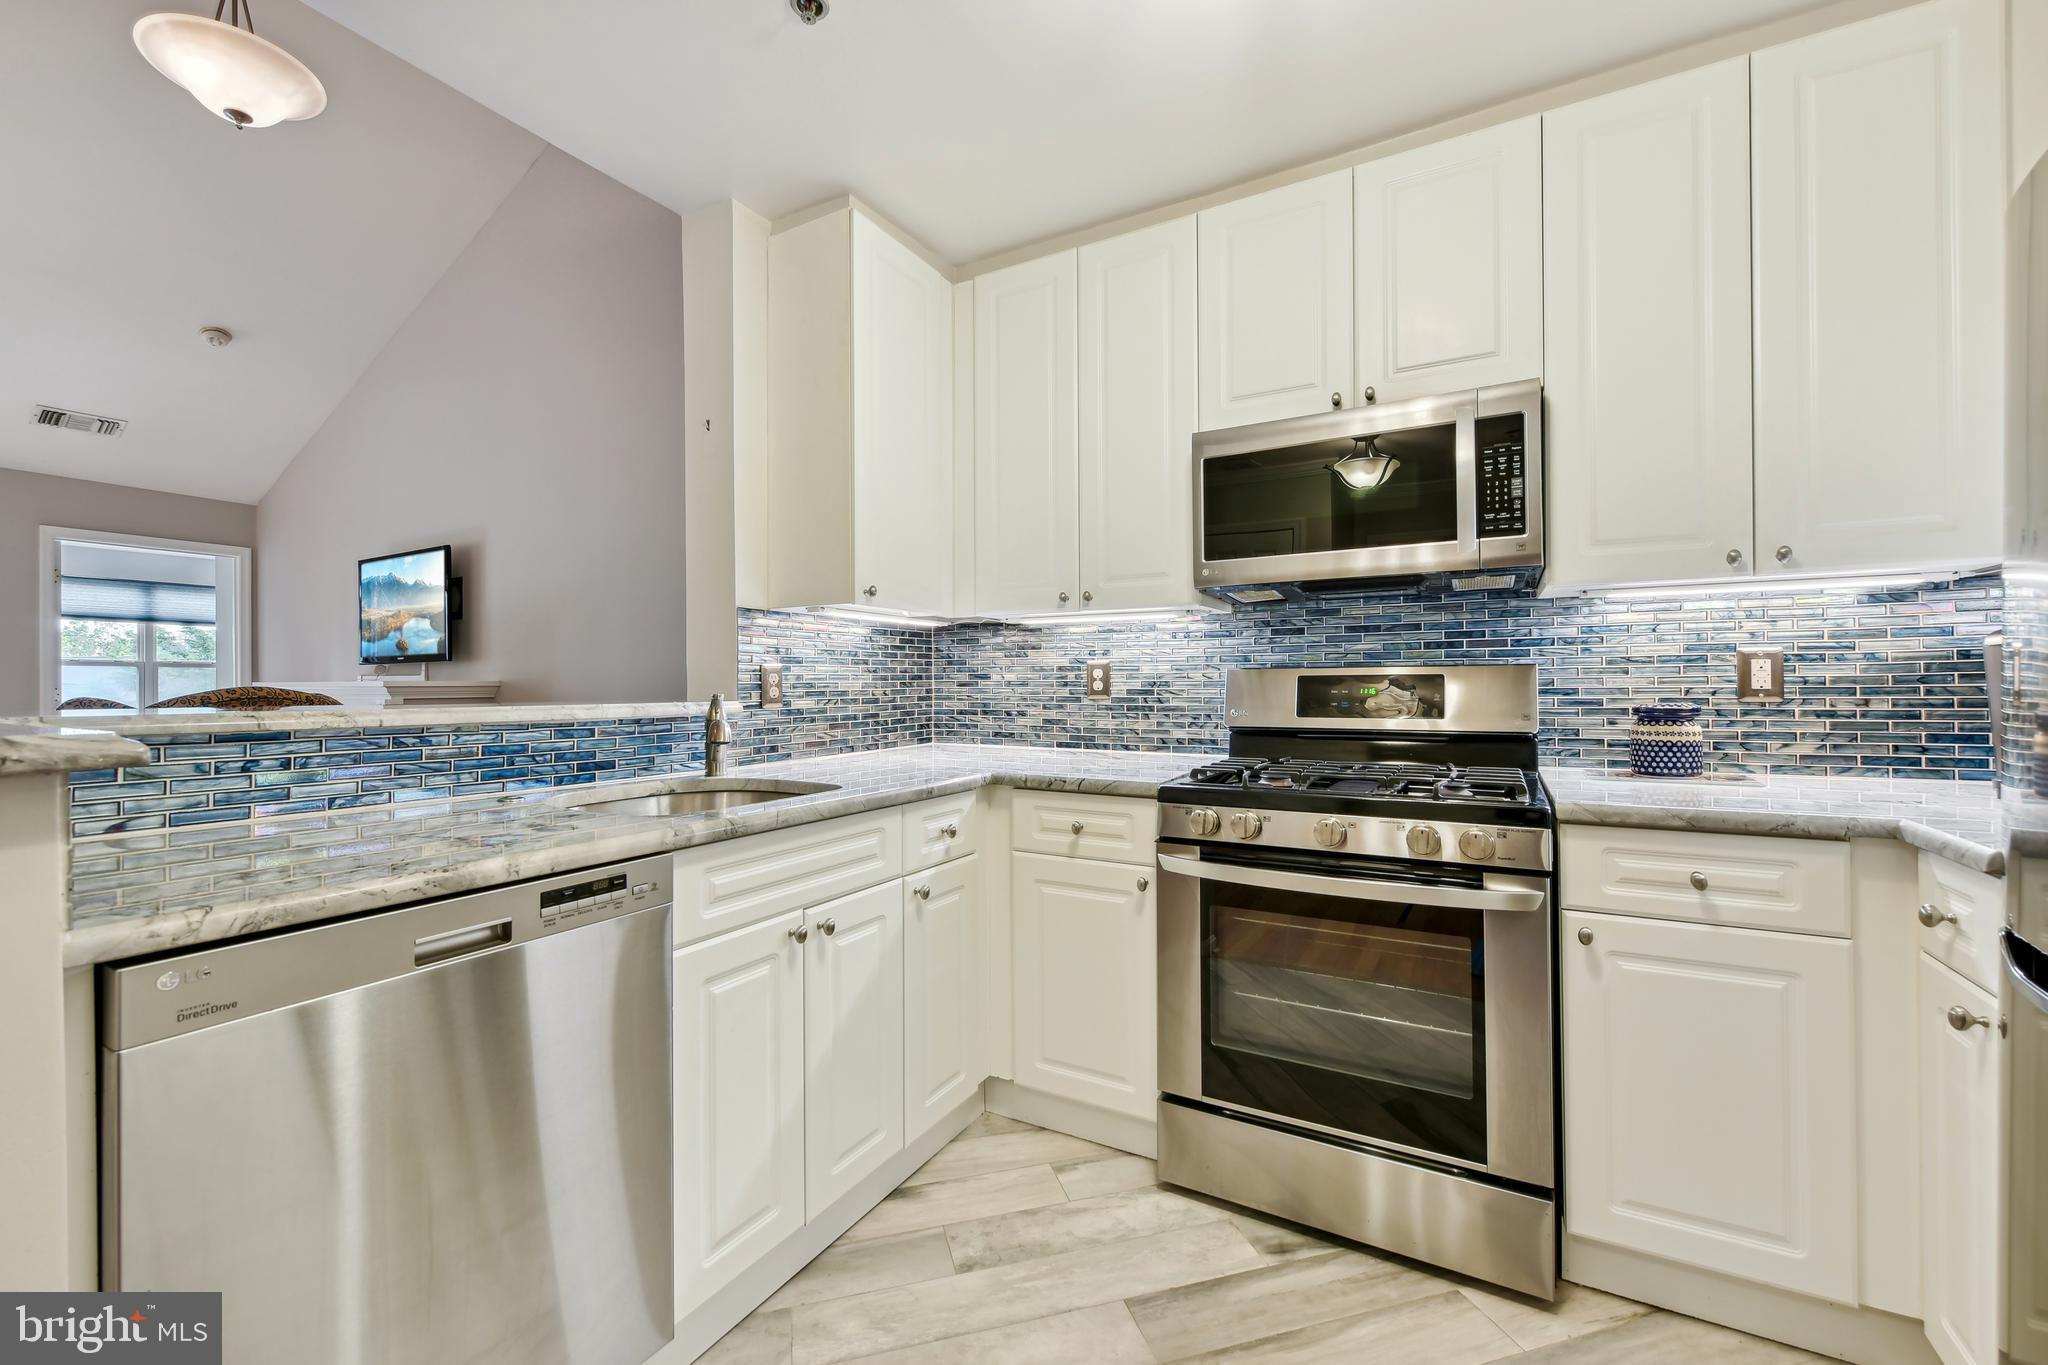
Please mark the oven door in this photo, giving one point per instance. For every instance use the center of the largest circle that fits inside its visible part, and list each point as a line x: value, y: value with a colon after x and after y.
x: 1410, y: 1010
x: 1358, y: 493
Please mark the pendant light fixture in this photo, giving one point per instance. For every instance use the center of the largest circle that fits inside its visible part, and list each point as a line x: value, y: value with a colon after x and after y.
x: 249, y: 81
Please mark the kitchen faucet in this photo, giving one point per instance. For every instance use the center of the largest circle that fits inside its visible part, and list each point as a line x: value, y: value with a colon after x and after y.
x: 717, y: 737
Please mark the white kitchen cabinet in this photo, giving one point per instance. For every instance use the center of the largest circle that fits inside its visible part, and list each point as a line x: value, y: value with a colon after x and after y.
x: 1085, y: 981
x: 1450, y: 264
x: 860, y: 420
x: 1710, y: 1098
x: 853, y: 1040
x: 1027, y: 548
x: 1646, y: 350
x: 1960, y: 1117
x: 1137, y: 418
x: 1879, y: 227
x: 942, y: 999
x: 1275, y: 303
x: 739, y: 1103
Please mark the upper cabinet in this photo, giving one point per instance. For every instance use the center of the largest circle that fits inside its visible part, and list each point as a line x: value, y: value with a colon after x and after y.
x: 1879, y: 199
x: 1026, y: 543
x: 860, y: 420
x: 1275, y: 303
x: 1449, y: 265
x: 1137, y: 404
x: 1646, y: 331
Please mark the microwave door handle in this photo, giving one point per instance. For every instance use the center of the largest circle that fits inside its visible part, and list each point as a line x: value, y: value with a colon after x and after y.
x: 1359, y: 888
x: 1467, y: 456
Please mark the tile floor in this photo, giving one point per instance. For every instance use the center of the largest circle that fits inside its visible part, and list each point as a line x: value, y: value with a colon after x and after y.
x: 1018, y: 1246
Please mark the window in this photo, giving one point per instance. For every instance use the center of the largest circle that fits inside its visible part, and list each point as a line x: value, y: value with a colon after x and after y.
x: 136, y: 622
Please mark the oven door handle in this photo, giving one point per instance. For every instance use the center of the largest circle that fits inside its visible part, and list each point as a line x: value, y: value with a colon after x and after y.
x: 1359, y: 888
x: 2024, y: 984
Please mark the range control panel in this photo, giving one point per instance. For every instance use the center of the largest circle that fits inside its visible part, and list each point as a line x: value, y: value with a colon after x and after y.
x: 1503, y: 477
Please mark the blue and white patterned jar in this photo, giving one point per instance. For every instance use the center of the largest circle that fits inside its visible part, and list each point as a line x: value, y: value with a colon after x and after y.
x: 1667, y: 741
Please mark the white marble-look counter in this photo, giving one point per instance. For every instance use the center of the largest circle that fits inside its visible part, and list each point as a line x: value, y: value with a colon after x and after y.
x: 200, y: 720
x: 142, y: 893
x: 1961, y: 821
x: 62, y: 749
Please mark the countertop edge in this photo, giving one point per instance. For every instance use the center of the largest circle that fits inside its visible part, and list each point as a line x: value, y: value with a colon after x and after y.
x: 201, y: 721
x: 26, y: 749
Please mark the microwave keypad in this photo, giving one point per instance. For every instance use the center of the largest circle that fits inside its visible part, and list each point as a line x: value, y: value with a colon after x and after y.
x: 1503, y: 490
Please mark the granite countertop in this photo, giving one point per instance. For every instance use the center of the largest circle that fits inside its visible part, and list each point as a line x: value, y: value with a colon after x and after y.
x: 199, y: 720
x: 60, y: 749
x: 1965, y: 822
x: 143, y: 893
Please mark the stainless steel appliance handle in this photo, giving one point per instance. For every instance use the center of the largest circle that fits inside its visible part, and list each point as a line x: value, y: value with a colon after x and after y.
x: 2035, y: 994
x: 1358, y: 888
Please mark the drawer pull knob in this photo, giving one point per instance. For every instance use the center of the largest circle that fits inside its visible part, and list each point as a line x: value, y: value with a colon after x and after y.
x: 951, y: 831
x: 1077, y: 827
x: 1933, y: 915
x: 1698, y: 880
x: 1962, y: 1021
x: 923, y: 893
x: 1144, y: 883
x: 1585, y: 936
x: 800, y: 934
x: 830, y: 927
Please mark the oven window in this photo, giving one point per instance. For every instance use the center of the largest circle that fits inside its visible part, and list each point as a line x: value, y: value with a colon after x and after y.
x: 1367, y: 1017
x: 1391, y: 489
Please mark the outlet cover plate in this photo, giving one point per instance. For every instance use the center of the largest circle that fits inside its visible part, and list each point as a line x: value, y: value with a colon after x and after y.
x: 1098, y: 680
x: 1759, y: 673
x: 771, y: 684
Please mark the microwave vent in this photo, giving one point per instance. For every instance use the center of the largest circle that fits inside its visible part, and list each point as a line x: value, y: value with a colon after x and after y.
x: 68, y: 420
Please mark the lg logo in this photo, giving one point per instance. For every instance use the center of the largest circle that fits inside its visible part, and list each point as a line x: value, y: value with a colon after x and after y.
x: 170, y: 981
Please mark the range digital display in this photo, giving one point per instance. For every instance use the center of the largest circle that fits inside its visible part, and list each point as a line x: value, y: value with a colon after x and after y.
x: 1370, y: 696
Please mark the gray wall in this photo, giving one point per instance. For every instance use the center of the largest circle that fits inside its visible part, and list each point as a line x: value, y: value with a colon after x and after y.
x: 530, y: 413
x: 29, y: 501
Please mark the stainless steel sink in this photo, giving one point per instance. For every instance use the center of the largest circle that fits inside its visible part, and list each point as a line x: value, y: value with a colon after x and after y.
x: 703, y: 795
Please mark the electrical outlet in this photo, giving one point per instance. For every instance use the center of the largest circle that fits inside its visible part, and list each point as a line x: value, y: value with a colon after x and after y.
x: 771, y: 684
x: 1098, y: 680
x: 1759, y: 673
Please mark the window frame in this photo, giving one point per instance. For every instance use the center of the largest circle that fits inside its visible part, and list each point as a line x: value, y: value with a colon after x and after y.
x: 148, y: 667
x: 232, y: 601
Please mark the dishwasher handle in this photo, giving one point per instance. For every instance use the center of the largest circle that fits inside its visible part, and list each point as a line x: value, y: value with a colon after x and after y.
x: 471, y: 938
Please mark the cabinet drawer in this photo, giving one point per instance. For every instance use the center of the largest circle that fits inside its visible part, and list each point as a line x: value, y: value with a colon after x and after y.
x: 726, y: 885
x: 941, y: 829
x: 1750, y: 881
x: 1968, y: 909
x: 1112, y: 829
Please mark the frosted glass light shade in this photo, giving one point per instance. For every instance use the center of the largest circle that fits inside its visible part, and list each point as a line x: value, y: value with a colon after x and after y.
x: 249, y: 81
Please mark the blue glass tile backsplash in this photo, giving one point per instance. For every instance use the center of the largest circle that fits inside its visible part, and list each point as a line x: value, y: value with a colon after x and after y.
x: 1878, y: 681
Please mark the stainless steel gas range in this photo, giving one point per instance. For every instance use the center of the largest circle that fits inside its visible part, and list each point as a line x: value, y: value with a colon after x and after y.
x: 1357, y: 1011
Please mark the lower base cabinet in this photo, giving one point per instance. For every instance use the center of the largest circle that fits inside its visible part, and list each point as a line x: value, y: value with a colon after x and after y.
x: 1709, y: 1097
x: 1960, y: 1119
x: 739, y: 1103
x: 1085, y: 980
x: 853, y: 1041
x: 942, y: 999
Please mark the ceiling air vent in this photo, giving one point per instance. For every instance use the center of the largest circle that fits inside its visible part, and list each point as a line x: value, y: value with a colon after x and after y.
x: 79, y: 421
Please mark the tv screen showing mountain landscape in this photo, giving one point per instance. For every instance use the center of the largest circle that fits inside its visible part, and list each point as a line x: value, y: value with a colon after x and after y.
x: 405, y: 607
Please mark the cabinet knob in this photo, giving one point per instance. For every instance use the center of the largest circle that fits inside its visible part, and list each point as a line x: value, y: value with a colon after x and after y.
x: 1784, y: 553
x: 1962, y: 1021
x: 951, y: 831
x: 1144, y: 883
x: 1087, y: 597
x: 1585, y: 936
x: 1735, y: 556
x: 1064, y: 598
x: 800, y: 934
x: 1077, y: 827
x: 1336, y: 399
x: 1698, y: 880
x: 830, y: 927
x: 1370, y: 395
x: 1933, y: 915
x: 868, y: 591
x: 923, y: 893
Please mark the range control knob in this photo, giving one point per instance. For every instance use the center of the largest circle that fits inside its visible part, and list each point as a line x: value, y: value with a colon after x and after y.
x: 1424, y: 842
x: 1476, y: 844
x: 1331, y: 833
x: 1245, y: 825
x: 1203, y: 823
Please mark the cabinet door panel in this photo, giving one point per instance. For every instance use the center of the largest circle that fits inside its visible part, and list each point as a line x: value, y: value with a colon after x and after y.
x: 1275, y: 303
x: 1880, y: 203
x: 1137, y: 404
x: 1025, y: 491
x: 739, y: 1103
x: 1450, y: 264
x: 1960, y: 1265
x: 941, y: 999
x: 1710, y: 1098
x: 853, y: 1041
x: 1646, y: 350
x: 1086, y: 981
x: 902, y: 426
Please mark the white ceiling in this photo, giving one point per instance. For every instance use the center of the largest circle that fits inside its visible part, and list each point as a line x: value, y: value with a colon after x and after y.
x: 134, y: 218
x: 979, y: 125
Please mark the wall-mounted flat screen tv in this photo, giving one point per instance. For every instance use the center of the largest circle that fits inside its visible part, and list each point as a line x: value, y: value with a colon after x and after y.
x: 405, y: 607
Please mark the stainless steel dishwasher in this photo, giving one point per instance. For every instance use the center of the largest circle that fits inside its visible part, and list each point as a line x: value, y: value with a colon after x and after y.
x: 437, y: 1134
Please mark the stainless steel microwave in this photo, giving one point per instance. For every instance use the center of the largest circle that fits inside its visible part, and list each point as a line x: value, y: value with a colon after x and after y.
x: 1401, y: 490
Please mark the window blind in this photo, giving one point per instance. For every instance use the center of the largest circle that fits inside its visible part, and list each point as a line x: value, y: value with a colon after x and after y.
x: 131, y: 599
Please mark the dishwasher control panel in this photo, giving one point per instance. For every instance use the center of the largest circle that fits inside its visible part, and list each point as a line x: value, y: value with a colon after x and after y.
x: 589, y: 898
